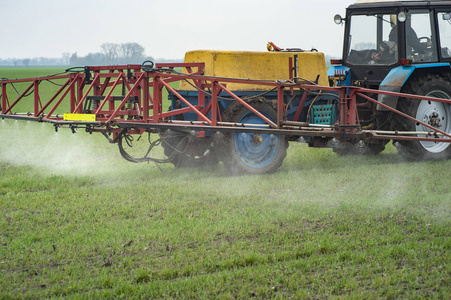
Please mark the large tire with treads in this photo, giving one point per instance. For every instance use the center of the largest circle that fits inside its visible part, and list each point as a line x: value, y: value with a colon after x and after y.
x: 252, y: 153
x: 433, y: 113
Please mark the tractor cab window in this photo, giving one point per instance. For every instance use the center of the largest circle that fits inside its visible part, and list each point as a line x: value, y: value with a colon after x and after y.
x: 419, y: 37
x: 369, y: 40
x: 444, y: 28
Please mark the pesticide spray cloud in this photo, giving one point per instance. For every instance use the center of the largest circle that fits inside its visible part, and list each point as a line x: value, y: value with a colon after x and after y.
x: 38, y: 145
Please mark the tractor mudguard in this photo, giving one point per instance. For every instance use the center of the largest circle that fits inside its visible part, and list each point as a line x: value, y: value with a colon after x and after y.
x: 396, y: 79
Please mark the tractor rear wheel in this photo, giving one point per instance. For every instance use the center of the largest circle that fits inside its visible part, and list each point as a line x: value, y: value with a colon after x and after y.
x: 252, y: 153
x: 436, y: 114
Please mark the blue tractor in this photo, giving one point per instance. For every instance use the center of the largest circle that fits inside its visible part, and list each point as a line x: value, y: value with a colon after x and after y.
x: 398, y: 46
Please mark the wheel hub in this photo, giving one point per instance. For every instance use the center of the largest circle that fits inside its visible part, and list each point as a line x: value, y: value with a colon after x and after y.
x: 434, y: 119
x: 256, y: 139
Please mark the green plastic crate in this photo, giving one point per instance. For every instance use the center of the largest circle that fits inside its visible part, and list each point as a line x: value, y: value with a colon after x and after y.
x: 323, y: 114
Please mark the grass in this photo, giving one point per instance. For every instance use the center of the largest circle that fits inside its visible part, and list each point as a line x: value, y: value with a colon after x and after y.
x: 93, y: 225
x: 29, y: 72
x: 77, y: 221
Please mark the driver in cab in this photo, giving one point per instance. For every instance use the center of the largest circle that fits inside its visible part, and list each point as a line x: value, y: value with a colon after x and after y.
x: 412, y: 39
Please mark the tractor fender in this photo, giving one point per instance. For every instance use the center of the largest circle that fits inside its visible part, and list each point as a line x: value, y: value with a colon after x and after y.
x: 396, y: 79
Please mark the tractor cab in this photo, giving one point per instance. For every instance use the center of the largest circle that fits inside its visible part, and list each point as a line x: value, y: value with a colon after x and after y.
x: 399, y: 47
x: 384, y: 35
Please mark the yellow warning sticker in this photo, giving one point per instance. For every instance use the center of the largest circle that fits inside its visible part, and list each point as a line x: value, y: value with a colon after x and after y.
x: 79, y: 117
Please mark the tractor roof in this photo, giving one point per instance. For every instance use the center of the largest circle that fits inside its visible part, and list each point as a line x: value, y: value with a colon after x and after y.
x: 390, y: 3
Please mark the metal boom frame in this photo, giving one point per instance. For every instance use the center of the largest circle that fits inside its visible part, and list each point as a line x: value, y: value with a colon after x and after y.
x: 140, y: 106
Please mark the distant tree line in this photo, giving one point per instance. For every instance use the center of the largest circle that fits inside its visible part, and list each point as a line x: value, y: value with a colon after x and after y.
x: 110, y: 54
x: 36, y: 61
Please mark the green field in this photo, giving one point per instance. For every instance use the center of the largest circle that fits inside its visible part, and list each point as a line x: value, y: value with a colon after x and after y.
x: 78, y: 221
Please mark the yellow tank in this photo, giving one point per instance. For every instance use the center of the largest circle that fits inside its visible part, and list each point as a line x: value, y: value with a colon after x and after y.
x: 272, y: 65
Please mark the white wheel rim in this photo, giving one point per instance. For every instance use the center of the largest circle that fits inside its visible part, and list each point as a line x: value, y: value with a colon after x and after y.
x: 428, y: 110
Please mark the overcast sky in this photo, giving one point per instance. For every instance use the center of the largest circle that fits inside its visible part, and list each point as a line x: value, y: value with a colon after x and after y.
x: 167, y: 28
